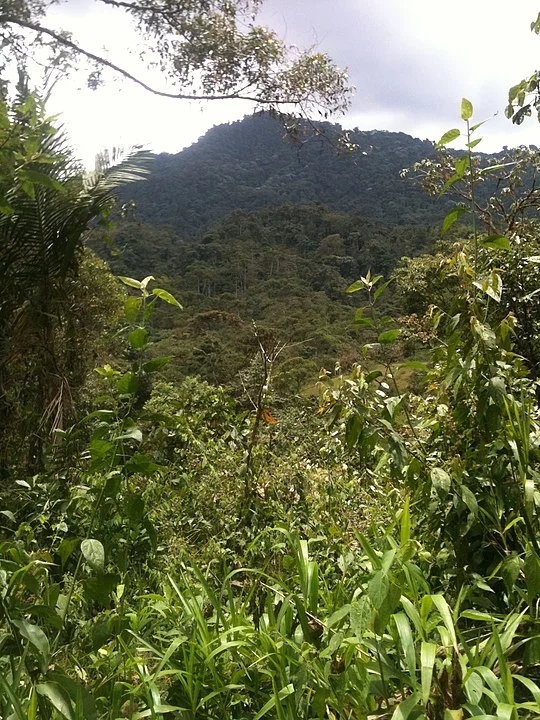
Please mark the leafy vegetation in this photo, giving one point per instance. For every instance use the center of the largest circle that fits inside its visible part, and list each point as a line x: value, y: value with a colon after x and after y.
x: 174, y: 549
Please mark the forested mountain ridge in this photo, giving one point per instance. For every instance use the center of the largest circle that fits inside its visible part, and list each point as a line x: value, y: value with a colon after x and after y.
x: 251, y: 164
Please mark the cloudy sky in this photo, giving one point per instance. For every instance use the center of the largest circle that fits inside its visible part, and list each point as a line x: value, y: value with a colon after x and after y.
x: 411, y: 62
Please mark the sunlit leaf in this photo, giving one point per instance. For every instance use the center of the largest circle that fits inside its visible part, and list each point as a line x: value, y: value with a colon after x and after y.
x: 93, y: 553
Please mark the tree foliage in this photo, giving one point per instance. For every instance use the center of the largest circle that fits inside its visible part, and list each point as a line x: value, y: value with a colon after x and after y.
x: 49, y: 206
x: 199, y: 50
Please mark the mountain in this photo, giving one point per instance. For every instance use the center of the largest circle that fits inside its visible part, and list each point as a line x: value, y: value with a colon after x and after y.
x: 251, y: 164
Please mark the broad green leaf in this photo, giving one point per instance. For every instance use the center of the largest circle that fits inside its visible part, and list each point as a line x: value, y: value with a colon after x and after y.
x: 35, y: 635
x: 166, y: 297
x: 100, y: 589
x: 140, y: 464
x: 466, y: 109
x: 531, y: 570
x: 144, y: 283
x: 40, y: 178
x: 338, y: 615
x: 128, y: 384
x: 135, y: 508
x: 440, y: 480
x: 448, y: 137
x: 156, y: 364
x: 378, y: 588
x: 93, y: 553
x: 474, y: 143
x: 66, y: 547
x: 356, y: 286
x: 428, y: 652
x: 101, y: 449
x: 138, y: 338
x: 451, y: 218
x: 379, y: 291
x: 461, y: 164
x: 132, y: 306
x: 58, y: 698
x: 361, y: 612
x: 9, y: 693
x: 82, y: 700
x: 496, y: 242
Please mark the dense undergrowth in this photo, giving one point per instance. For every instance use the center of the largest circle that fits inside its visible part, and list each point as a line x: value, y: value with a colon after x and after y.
x: 173, y: 551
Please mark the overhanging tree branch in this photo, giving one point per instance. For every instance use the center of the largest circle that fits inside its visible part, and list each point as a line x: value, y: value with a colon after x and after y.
x: 65, y: 42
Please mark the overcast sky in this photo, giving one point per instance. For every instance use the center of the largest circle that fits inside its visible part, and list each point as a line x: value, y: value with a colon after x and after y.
x: 411, y: 61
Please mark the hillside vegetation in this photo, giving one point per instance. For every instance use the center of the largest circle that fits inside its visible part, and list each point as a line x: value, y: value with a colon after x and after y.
x: 250, y: 164
x: 174, y: 547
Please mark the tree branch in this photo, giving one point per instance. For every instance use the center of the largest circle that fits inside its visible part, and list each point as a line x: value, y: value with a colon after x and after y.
x: 237, y: 95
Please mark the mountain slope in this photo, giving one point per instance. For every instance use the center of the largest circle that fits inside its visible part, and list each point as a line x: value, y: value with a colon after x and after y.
x: 249, y: 165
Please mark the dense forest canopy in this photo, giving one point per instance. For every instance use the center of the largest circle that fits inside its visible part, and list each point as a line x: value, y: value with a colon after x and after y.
x: 253, y: 163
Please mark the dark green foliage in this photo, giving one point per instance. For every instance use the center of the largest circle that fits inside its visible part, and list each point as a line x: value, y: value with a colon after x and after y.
x: 286, y: 267
x: 248, y: 165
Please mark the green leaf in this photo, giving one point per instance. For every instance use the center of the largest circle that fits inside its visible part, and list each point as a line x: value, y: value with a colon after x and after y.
x: 444, y: 610
x: 428, y: 652
x: 58, y: 698
x: 531, y: 570
x: 93, y: 553
x: 66, y: 547
x: 496, y: 242
x: 82, y: 700
x: 144, y: 283
x: 156, y: 364
x: 388, y: 336
x: 100, y: 449
x: 356, y: 286
x: 135, y: 508
x: 407, y: 643
x: 132, y: 307
x: 466, y: 109
x: 440, y: 480
x: 35, y: 635
x: 406, y: 707
x: 100, y: 589
x: 14, y: 700
x: 128, y: 384
x: 281, y: 695
x: 360, y: 616
x: 451, y: 218
x: 405, y: 533
x: 379, y: 291
x: 40, y: 178
x: 448, y: 137
x: 166, y: 297
x: 130, y: 282
x: 378, y: 588
x: 138, y: 338
x: 337, y: 616
x: 141, y: 465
